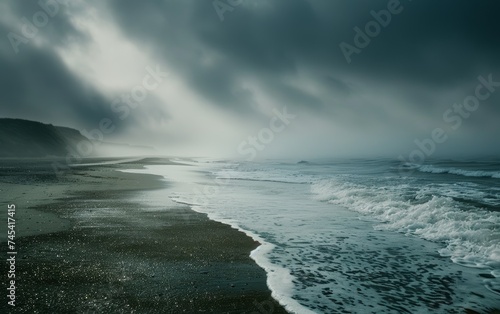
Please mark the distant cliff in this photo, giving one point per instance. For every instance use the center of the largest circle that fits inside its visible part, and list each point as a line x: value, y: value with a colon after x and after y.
x: 25, y: 139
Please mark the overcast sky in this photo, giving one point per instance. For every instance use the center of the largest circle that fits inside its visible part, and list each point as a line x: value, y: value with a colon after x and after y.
x: 232, y: 64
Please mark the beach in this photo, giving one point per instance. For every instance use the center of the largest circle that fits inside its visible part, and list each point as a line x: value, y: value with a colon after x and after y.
x: 159, y: 235
x: 84, y: 245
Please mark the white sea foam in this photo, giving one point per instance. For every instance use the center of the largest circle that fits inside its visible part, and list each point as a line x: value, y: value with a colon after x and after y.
x: 279, y: 279
x: 472, y: 236
x: 460, y: 172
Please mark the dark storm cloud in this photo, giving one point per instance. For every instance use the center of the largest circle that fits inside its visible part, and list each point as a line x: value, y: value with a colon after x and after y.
x: 36, y: 84
x: 432, y: 44
x: 59, y: 30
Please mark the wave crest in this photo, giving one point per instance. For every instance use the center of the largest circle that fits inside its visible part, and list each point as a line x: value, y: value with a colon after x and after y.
x: 472, y: 236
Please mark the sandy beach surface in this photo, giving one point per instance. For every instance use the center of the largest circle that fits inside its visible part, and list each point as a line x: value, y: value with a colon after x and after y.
x: 84, y: 245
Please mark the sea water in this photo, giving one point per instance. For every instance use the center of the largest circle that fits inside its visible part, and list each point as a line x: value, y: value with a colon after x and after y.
x: 359, y: 236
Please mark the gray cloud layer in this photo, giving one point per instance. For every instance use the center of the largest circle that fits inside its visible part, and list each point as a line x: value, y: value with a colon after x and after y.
x: 36, y: 84
x: 426, y: 59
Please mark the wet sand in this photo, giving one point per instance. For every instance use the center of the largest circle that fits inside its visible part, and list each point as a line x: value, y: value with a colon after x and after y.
x: 84, y: 246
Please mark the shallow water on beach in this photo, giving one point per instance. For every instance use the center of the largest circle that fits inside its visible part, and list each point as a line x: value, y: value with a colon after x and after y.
x: 361, y: 236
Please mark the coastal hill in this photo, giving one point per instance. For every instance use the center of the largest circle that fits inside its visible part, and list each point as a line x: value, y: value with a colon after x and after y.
x: 29, y: 139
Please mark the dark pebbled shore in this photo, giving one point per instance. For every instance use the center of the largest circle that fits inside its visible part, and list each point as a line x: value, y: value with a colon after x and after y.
x: 85, y: 247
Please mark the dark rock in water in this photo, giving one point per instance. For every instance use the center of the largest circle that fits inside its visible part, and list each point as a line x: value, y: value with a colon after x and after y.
x: 303, y: 162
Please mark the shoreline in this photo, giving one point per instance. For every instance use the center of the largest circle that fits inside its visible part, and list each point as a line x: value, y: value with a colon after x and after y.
x: 276, y: 275
x: 279, y: 279
x: 111, y: 253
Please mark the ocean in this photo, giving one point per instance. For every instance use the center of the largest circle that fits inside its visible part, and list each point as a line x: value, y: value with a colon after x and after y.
x: 358, y: 236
